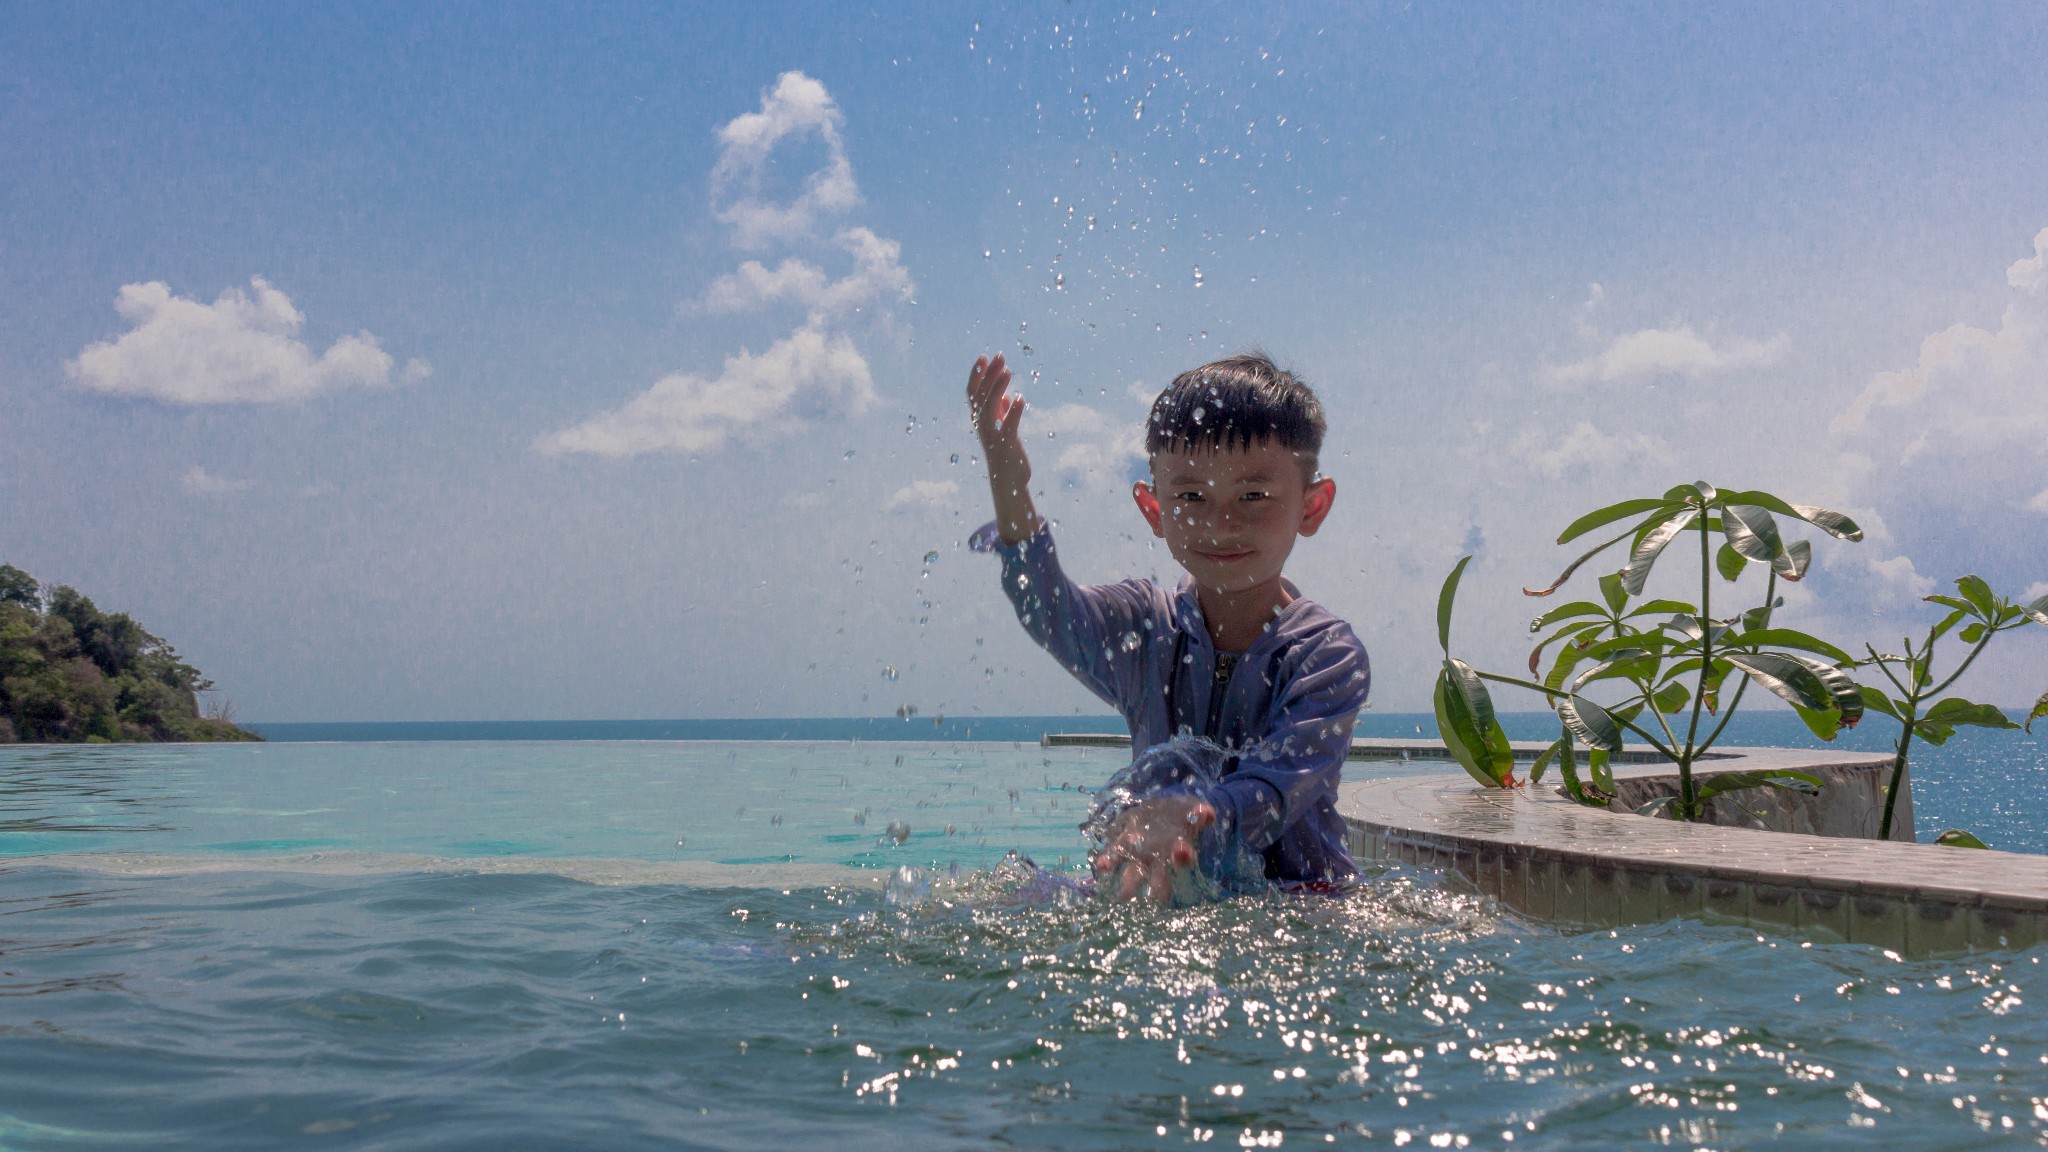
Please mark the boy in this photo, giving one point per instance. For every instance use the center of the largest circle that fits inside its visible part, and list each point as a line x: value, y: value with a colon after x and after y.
x: 1235, y: 654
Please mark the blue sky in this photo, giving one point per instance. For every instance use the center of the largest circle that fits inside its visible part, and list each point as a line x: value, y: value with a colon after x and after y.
x: 509, y: 429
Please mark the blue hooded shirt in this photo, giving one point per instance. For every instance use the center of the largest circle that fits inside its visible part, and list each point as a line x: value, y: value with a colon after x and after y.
x: 1284, y: 709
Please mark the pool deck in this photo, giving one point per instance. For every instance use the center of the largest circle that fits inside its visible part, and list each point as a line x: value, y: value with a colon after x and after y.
x: 1550, y: 859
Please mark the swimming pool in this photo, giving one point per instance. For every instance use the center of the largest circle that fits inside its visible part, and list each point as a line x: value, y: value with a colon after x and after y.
x: 623, y: 945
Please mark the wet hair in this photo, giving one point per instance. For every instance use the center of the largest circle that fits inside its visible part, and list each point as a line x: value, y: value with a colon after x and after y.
x: 1236, y: 403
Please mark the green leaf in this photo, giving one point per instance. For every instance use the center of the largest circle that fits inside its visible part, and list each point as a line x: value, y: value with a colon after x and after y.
x: 1956, y: 712
x: 1979, y: 594
x: 1659, y: 607
x: 1625, y: 662
x: 1590, y: 723
x: 1935, y: 734
x: 1877, y: 701
x: 1565, y: 633
x: 1729, y: 563
x: 2040, y: 710
x: 1444, y: 599
x: 1637, y: 572
x: 1706, y: 492
x: 1792, y: 563
x: 1941, y: 629
x: 1549, y: 754
x: 1597, y: 766
x: 1833, y: 523
x: 1972, y: 632
x: 1751, y: 533
x: 1826, y: 725
x: 1575, y: 565
x: 1566, y: 612
x: 1801, y: 782
x: 1612, y: 592
x: 1471, y: 731
x: 1957, y: 838
x: 2037, y: 611
x: 1786, y: 677
x: 1657, y: 807
x: 1672, y: 697
x: 1963, y: 606
x: 1609, y: 515
x: 1791, y: 638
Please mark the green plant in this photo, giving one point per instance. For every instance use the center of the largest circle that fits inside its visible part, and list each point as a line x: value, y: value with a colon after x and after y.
x: 1982, y: 614
x: 1668, y: 658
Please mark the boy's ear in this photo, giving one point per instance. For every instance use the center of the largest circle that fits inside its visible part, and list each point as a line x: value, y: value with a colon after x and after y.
x: 1148, y: 505
x: 1316, y: 504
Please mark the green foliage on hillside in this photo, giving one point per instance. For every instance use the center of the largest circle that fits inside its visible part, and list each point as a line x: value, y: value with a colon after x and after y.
x: 72, y: 673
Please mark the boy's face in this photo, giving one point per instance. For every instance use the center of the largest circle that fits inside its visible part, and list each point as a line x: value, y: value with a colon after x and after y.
x: 1230, y: 517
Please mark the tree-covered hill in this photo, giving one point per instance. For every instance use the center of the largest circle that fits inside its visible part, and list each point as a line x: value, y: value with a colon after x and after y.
x: 72, y: 673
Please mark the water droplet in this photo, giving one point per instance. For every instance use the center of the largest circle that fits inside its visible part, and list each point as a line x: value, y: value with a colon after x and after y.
x: 1199, y: 413
x: 1091, y: 223
x: 953, y: 459
x: 1059, y: 281
x: 1138, y: 113
x: 931, y: 556
x: 1023, y: 581
x: 898, y: 831
x: 1198, y: 276
x: 849, y: 454
x: 889, y: 672
x: 1131, y: 641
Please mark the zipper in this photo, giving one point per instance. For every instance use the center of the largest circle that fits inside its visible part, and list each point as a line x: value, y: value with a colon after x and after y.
x: 1226, y: 663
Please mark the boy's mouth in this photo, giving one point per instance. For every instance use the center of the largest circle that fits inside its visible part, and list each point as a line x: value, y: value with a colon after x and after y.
x: 1223, y: 557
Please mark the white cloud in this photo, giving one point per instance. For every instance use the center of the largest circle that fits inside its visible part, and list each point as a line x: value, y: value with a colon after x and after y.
x: 876, y: 274
x: 1898, y: 574
x: 1584, y: 449
x: 241, y: 349
x: 1092, y: 449
x: 200, y: 482
x: 929, y: 493
x: 2031, y: 274
x: 808, y: 373
x: 817, y: 371
x: 796, y: 108
x: 2039, y: 503
x: 1666, y: 352
x: 2035, y: 591
x: 1972, y: 387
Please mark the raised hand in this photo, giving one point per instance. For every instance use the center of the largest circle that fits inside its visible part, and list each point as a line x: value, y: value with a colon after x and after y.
x: 997, y: 412
x: 996, y: 409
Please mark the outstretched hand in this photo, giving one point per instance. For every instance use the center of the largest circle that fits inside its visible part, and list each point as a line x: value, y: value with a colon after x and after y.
x: 996, y: 409
x: 997, y: 413
x: 1149, y: 842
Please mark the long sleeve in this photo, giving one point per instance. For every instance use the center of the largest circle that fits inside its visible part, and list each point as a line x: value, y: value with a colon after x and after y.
x: 1101, y: 633
x: 1294, y: 766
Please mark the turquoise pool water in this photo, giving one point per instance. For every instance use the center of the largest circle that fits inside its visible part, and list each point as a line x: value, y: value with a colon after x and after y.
x: 615, y: 944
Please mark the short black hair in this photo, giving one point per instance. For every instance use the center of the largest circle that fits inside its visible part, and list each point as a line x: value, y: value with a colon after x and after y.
x: 1237, y: 402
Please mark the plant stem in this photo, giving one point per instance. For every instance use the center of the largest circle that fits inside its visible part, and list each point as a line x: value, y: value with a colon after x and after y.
x: 1728, y: 713
x: 1913, y: 700
x: 1687, y: 802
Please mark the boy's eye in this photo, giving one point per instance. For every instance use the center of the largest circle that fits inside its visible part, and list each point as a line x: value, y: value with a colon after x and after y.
x: 1190, y: 495
x: 1253, y: 496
